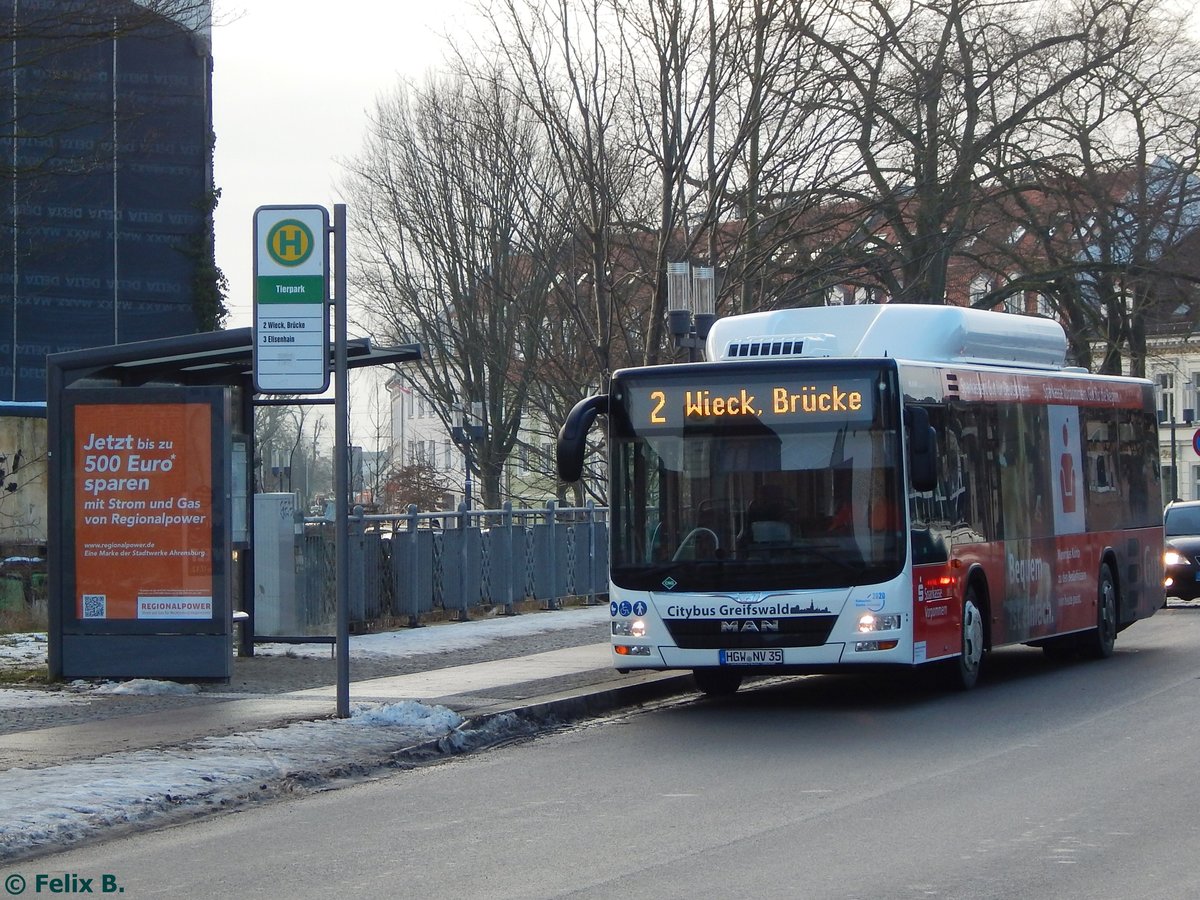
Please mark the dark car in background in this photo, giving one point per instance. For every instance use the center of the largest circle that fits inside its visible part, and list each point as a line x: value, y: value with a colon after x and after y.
x: 1181, y: 521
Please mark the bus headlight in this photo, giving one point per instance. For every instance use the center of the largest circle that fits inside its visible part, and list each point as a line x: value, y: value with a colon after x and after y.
x: 635, y: 628
x: 874, y: 622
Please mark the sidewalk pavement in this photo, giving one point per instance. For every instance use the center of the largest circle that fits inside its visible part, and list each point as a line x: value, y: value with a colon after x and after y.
x: 563, y: 684
x: 106, y: 766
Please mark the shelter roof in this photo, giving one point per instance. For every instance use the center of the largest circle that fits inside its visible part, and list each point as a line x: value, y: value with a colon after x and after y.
x: 211, y: 357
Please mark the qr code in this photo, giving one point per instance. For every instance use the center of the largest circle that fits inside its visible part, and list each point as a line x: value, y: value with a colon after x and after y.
x: 95, y: 606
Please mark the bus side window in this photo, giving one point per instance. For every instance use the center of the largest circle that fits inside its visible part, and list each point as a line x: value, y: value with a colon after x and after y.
x: 1142, y: 502
x: 969, y: 471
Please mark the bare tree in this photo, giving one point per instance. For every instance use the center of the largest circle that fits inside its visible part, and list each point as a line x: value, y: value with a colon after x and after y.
x: 274, y: 435
x: 460, y: 247
x: 287, y: 442
x: 1113, y: 196
x: 1135, y: 154
x: 571, y: 71
x: 521, y: 214
x: 941, y: 93
x: 373, y: 429
x: 679, y: 131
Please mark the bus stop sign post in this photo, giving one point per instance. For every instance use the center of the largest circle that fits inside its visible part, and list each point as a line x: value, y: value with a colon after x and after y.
x: 341, y: 464
x: 291, y: 355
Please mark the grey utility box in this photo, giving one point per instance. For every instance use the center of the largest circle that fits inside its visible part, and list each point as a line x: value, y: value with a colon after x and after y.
x: 276, y: 605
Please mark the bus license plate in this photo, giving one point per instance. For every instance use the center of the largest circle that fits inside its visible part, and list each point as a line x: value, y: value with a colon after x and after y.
x: 751, y: 657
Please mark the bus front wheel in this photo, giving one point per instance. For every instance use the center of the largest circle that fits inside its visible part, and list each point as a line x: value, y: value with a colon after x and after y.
x: 717, y: 682
x: 962, y: 672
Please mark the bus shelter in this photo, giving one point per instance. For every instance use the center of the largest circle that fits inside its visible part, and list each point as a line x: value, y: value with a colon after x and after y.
x: 150, y: 446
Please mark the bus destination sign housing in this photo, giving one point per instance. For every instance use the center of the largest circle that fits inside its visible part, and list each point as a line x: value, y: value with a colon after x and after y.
x: 774, y: 398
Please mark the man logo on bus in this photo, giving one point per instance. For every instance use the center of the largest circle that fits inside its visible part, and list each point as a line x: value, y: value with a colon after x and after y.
x: 750, y: 599
x: 290, y: 242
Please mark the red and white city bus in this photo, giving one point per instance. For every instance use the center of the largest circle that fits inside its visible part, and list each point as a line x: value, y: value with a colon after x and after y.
x: 874, y: 485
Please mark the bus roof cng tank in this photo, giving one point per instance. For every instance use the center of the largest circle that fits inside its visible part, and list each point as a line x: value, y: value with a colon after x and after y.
x: 950, y: 334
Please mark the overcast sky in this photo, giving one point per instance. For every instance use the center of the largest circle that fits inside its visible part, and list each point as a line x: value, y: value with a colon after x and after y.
x: 293, y: 82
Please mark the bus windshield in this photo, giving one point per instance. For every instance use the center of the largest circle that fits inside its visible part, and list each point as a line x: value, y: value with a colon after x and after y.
x: 767, y: 477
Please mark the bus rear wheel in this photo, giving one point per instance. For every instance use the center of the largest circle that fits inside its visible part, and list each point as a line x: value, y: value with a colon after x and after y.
x: 962, y: 672
x: 1099, y: 643
x: 717, y: 682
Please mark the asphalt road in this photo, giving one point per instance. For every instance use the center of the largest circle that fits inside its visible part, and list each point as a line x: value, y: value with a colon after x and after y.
x: 1055, y: 780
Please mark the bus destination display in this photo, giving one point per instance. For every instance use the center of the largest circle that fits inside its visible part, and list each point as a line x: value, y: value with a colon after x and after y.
x: 771, y: 401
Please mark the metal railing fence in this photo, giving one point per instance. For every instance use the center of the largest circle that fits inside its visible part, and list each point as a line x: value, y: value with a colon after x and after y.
x: 404, y: 566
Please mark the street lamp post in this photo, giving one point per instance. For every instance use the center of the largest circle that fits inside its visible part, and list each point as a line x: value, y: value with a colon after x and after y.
x: 1188, y: 418
x: 1174, y: 462
x: 691, y: 306
x: 465, y: 435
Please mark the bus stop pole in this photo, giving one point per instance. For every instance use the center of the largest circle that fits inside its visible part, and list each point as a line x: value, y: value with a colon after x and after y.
x: 341, y: 469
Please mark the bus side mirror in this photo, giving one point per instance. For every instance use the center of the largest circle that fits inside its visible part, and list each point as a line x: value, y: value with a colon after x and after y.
x: 572, y: 437
x: 922, y: 449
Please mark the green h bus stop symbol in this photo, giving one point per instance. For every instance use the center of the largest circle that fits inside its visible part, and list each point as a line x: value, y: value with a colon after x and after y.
x: 290, y: 242
x: 291, y: 299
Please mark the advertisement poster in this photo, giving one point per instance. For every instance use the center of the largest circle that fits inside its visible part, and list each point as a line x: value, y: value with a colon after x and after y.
x: 1067, y: 466
x: 143, y: 479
